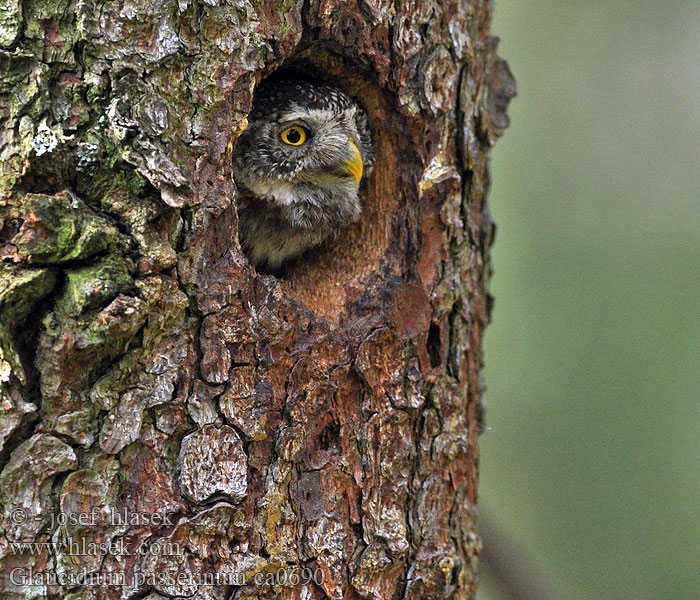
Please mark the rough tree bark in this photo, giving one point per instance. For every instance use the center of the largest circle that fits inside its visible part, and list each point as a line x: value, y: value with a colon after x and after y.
x: 326, y: 419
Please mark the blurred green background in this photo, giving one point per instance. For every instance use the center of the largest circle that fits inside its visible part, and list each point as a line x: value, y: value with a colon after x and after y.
x: 592, y: 460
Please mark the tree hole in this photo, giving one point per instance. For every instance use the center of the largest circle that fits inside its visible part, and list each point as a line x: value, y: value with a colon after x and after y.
x: 330, y: 278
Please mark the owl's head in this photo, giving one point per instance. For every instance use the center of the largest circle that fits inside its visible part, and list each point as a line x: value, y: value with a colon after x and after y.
x: 306, y: 149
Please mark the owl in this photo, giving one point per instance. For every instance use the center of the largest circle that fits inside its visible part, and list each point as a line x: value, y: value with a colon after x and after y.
x: 298, y: 168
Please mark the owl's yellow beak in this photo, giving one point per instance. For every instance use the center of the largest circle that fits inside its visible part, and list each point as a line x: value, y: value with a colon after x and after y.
x: 352, y: 165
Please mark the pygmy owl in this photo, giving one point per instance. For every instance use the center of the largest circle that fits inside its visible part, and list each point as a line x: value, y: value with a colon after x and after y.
x: 298, y: 168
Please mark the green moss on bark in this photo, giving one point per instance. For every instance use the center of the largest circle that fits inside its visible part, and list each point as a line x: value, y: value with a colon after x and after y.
x: 61, y: 228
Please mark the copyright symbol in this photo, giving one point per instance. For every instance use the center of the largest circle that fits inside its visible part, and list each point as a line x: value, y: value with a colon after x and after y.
x: 18, y: 516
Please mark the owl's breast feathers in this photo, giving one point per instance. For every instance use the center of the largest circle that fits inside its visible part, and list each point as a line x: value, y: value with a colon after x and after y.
x: 267, y: 233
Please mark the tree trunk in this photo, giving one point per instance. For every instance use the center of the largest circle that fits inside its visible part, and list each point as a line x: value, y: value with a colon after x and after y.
x: 169, y: 418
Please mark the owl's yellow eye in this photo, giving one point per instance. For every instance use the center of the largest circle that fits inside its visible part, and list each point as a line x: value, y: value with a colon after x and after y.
x: 294, y: 135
